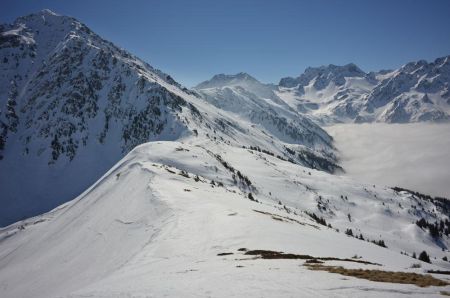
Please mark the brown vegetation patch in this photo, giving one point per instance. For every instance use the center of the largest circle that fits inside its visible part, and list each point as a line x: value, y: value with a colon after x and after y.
x: 224, y: 253
x: 313, y: 261
x: 269, y: 254
x: 439, y: 272
x: 420, y: 280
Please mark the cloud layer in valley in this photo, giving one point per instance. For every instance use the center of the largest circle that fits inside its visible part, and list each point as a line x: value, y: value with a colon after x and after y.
x: 414, y: 156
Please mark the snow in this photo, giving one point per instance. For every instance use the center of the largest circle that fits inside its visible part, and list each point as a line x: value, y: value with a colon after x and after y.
x: 144, y: 231
x: 154, y: 224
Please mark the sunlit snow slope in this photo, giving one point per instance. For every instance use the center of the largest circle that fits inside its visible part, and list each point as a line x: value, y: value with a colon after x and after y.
x: 154, y: 225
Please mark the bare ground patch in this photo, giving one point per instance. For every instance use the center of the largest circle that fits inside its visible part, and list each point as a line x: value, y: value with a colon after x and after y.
x: 270, y: 254
x: 420, y: 280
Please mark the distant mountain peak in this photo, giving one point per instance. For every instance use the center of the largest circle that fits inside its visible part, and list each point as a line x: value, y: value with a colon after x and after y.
x: 239, y: 76
x: 244, y: 75
x: 323, y: 75
x: 332, y: 68
x: 222, y: 80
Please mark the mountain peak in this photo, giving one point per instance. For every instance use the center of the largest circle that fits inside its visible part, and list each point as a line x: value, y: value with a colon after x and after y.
x: 324, y: 75
x: 244, y: 75
x: 47, y: 12
x: 42, y: 15
x: 43, y: 20
x: 222, y: 80
x: 349, y: 69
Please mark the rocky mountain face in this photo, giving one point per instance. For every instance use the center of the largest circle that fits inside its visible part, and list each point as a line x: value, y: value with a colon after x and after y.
x: 58, y: 76
x: 416, y: 92
x: 72, y: 104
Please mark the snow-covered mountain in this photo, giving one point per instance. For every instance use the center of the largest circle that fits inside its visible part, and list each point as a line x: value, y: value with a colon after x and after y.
x: 72, y: 104
x: 231, y: 194
x: 257, y: 103
x: 201, y: 218
x: 416, y: 92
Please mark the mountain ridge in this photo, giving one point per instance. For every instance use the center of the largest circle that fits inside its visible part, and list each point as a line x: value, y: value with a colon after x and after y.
x: 72, y: 104
x: 341, y: 94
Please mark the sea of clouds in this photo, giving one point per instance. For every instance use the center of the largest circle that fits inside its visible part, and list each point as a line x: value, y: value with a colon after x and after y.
x: 414, y: 156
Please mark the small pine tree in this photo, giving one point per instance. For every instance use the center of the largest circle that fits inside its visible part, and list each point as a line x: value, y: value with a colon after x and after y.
x: 414, y: 255
x: 349, y: 232
x: 424, y: 257
x: 56, y: 148
x: 184, y: 173
x: 381, y: 243
x: 434, y: 231
x: 422, y: 223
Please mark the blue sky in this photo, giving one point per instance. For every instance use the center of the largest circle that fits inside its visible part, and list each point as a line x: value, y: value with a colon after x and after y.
x: 193, y: 40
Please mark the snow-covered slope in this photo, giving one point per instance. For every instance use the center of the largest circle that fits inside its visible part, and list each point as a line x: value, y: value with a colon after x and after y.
x: 256, y: 104
x: 174, y: 219
x: 72, y: 104
x: 416, y: 92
